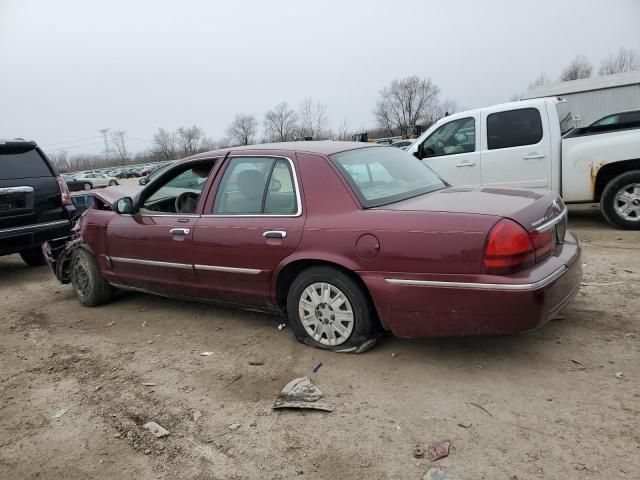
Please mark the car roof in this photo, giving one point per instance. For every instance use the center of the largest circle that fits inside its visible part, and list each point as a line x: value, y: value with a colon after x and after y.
x: 323, y: 147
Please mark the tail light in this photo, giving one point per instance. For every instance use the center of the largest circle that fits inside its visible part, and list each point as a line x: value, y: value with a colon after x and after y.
x: 510, y: 248
x: 64, y: 191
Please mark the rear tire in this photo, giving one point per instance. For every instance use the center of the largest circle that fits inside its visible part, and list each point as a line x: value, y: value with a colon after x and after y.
x: 90, y: 286
x: 327, y: 309
x: 86, y: 186
x: 112, y: 183
x: 33, y: 257
x: 620, y: 201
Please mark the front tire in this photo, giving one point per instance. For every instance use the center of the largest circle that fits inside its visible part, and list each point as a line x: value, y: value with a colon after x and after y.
x: 33, y: 257
x: 620, y: 201
x: 113, y: 183
x: 86, y: 186
x: 327, y: 309
x: 90, y: 286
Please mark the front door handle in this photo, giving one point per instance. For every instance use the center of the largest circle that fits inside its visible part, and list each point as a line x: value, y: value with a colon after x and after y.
x: 533, y: 156
x: 466, y: 164
x: 274, y: 234
x: 179, y: 231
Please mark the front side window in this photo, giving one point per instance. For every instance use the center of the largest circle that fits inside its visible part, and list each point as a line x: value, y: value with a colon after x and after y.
x: 180, y: 192
x: 457, y: 136
x: 514, y: 128
x: 383, y: 175
x: 256, y: 186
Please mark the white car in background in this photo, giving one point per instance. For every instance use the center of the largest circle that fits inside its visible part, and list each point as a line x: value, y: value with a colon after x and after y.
x: 97, y: 179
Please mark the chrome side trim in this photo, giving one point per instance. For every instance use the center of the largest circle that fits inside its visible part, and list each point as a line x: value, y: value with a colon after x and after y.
x: 25, y: 189
x: 151, y: 263
x: 216, y: 268
x: 481, y: 286
x: 35, y: 226
x: 550, y: 223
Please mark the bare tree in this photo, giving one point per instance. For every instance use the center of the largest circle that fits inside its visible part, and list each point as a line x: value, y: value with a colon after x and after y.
x: 189, y: 140
x: 343, y: 130
x: 166, y: 144
x: 280, y: 123
x: 243, y: 130
x: 117, y: 138
x: 577, y: 69
x: 313, y: 120
x: 626, y: 60
x: 60, y: 159
x: 539, y: 81
x: 407, y: 101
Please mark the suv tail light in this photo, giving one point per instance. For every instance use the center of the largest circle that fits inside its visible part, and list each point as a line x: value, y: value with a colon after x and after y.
x: 64, y: 191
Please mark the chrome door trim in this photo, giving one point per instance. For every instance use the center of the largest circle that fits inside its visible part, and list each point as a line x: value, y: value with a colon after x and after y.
x: 24, y: 189
x: 180, y: 231
x: 550, y: 223
x: 217, y: 268
x: 480, y: 286
x: 254, y: 215
x: 35, y: 226
x: 151, y: 263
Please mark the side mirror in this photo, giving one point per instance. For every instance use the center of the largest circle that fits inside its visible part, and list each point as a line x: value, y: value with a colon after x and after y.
x: 124, y: 206
x: 419, y: 154
x: 143, y: 180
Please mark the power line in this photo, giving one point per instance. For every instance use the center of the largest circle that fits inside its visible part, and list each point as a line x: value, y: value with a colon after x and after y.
x: 73, y: 146
x: 70, y: 141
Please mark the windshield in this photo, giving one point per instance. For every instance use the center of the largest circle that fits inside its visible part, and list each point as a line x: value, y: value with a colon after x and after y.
x: 381, y: 175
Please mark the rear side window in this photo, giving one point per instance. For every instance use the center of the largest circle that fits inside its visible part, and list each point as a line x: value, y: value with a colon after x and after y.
x: 565, y: 117
x: 23, y: 164
x: 514, y: 128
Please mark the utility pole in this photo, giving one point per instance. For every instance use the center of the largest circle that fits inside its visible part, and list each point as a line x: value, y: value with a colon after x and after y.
x: 107, y: 150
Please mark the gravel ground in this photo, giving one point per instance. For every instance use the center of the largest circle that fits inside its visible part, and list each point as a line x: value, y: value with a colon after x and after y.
x: 562, y: 402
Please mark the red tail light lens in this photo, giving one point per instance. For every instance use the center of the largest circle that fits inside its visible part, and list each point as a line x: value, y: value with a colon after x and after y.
x: 543, y: 243
x: 509, y: 249
x: 64, y: 191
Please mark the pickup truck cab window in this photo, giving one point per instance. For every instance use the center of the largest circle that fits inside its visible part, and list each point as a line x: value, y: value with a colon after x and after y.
x: 257, y: 186
x: 514, y: 128
x: 457, y: 136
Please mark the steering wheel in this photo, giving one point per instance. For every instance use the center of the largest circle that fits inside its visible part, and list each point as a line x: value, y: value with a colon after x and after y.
x: 186, y: 202
x: 440, y: 144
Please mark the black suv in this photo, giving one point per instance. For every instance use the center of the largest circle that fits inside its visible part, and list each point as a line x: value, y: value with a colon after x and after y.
x: 35, y: 204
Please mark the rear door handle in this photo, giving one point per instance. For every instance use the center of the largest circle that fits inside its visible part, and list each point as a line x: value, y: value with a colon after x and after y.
x: 466, y: 164
x: 274, y: 234
x: 533, y: 156
x: 179, y: 231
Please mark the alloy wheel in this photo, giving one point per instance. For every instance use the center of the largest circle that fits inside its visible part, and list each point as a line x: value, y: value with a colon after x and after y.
x: 627, y: 202
x: 326, y: 314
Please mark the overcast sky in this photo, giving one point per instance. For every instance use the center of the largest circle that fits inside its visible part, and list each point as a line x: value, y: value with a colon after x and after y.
x: 71, y: 67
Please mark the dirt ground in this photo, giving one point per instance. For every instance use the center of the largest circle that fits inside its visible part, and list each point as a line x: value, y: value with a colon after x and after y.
x: 562, y: 402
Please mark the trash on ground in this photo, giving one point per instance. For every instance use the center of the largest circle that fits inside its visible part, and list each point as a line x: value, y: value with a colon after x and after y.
x: 110, y: 324
x: 316, y: 367
x: 576, y: 362
x: 206, y: 354
x: 438, y: 450
x: 439, y: 474
x: 301, y: 393
x: 196, y: 415
x: 156, y: 430
x: 60, y: 412
x: 619, y: 374
x: 148, y: 384
x: 464, y: 424
x: 418, y: 452
x: 281, y: 326
x: 628, y: 271
x: 255, y: 362
x: 234, y: 426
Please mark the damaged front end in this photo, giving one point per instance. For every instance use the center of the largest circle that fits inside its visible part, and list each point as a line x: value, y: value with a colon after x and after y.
x: 59, y: 253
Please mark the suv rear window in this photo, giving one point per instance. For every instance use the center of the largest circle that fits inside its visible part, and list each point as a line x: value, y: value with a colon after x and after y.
x: 514, y: 128
x: 23, y: 164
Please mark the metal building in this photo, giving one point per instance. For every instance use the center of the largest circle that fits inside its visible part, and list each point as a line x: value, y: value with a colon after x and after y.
x: 593, y: 98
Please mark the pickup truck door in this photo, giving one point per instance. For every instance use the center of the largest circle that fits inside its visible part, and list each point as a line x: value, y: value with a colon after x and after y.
x: 516, y: 147
x: 452, y: 150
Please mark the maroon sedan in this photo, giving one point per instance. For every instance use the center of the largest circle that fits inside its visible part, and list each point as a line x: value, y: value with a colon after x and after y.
x: 346, y: 239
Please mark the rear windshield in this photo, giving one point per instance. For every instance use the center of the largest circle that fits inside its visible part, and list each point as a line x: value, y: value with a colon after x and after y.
x: 382, y: 175
x: 22, y: 164
x: 564, y: 116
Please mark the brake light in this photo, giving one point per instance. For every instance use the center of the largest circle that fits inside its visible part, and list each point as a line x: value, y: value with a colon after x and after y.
x: 64, y: 191
x: 509, y: 249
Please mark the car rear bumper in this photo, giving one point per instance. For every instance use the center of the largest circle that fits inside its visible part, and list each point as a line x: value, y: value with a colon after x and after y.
x: 25, y: 237
x: 414, y: 306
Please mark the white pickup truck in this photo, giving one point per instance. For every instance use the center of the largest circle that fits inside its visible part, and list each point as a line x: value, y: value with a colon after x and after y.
x: 533, y: 144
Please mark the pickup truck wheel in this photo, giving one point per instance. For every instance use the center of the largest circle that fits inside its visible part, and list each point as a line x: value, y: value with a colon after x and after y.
x: 33, y: 257
x: 620, y: 201
x: 86, y: 186
x: 90, y: 286
x: 329, y: 310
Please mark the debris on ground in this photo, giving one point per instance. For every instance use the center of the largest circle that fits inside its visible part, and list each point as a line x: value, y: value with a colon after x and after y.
x: 418, y: 452
x: 156, y: 430
x: 234, y: 426
x: 60, y: 412
x: 206, y: 354
x: 110, y: 324
x: 301, y: 393
x: 281, y: 326
x: 438, y: 450
x: 628, y: 271
x: 196, y: 415
x: 439, y: 474
x: 234, y: 379
x: 316, y: 367
x: 256, y: 362
x: 394, y: 354
x: 149, y: 384
x: 619, y: 374
x: 464, y: 424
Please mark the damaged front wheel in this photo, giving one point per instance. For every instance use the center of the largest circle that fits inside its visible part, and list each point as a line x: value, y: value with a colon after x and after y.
x: 90, y: 286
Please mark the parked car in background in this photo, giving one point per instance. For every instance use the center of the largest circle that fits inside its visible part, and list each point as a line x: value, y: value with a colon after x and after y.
x: 345, y: 238
x: 75, y: 184
x: 403, y: 144
x: 533, y: 144
x: 621, y: 119
x: 35, y: 204
x: 153, y: 174
x: 97, y: 179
